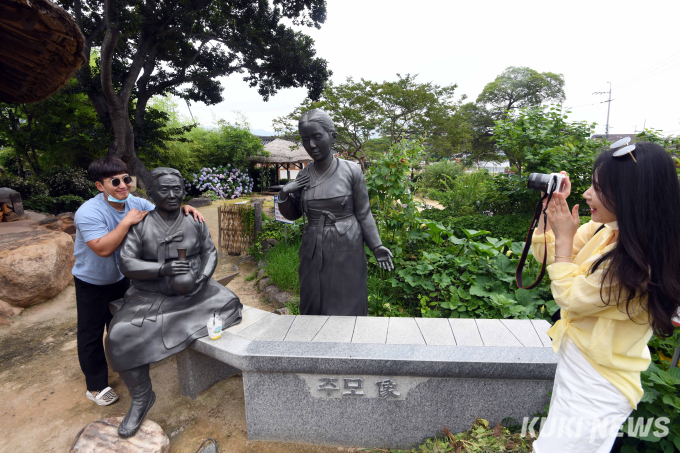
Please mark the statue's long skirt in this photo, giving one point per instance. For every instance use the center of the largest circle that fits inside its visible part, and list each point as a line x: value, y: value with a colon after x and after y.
x: 151, y: 327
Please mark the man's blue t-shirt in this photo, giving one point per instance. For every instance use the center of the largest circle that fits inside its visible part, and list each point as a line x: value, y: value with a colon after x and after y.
x: 93, y: 220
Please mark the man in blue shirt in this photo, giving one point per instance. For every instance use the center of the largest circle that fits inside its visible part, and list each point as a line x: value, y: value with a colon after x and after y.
x: 101, y: 225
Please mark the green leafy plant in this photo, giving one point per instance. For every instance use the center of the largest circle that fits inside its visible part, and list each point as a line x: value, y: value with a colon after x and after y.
x: 463, y: 194
x: 433, y: 175
x: 661, y: 399
x: 210, y: 194
x: 66, y: 203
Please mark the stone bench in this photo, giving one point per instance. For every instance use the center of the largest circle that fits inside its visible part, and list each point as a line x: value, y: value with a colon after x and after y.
x: 374, y: 382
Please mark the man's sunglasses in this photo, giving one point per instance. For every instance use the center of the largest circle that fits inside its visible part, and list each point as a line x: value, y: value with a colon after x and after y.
x: 115, y: 182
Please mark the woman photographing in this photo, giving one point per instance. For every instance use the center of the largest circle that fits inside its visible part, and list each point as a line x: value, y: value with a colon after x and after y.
x: 616, y: 285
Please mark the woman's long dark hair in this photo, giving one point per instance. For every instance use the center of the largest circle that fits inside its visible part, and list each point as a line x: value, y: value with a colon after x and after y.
x: 645, y: 196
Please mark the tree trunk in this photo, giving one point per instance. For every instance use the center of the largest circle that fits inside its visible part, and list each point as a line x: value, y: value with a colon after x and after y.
x: 123, y: 145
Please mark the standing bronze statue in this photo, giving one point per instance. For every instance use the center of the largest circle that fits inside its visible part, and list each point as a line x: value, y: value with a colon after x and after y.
x: 332, y: 194
x: 169, y: 258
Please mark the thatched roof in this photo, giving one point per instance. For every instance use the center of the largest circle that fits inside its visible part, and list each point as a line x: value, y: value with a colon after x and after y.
x: 281, y: 152
x: 41, y: 47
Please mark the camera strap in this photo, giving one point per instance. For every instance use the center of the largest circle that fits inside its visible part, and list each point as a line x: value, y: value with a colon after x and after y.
x: 534, y: 223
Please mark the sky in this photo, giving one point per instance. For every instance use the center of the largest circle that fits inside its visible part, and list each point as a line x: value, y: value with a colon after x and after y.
x: 633, y: 45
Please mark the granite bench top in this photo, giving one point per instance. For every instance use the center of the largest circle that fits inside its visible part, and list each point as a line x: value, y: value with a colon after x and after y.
x: 489, y: 348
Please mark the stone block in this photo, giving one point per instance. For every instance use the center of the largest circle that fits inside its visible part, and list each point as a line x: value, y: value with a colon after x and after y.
x: 436, y: 331
x: 199, y: 202
x: 524, y: 331
x: 249, y: 317
x: 404, y: 331
x: 494, y: 333
x: 256, y: 329
x: 103, y: 436
x: 344, y: 418
x: 263, y: 283
x: 304, y: 328
x: 281, y: 299
x: 270, y: 291
x: 465, y: 332
x: 278, y: 329
x: 198, y: 372
x: 338, y: 329
x: 542, y: 326
x: 370, y: 330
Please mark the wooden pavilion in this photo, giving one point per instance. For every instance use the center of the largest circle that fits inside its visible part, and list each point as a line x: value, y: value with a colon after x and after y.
x: 41, y: 47
x: 284, y: 156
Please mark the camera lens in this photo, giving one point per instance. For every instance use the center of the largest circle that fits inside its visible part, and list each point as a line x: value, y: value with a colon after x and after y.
x: 538, y: 181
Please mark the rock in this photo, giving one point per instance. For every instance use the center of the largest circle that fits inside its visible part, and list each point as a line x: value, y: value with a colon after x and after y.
x: 8, y: 311
x: 66, y: 215
x: 282, y: 311
x: 54, y: 226
x: 69, y: 229
x: 10, y: 217
x: 4, y: 321
x: 281, y: 299
x: 260, y: 273
x: 34, y: 266
x: 199, y: 202
x: 270, y: 291
x: 234, y: 268
x: 73, y: 236
x: 48, y: 220
x: 102, y: 436
x: 263, y: 282
x: 268, y: 244
x: 261, y: 264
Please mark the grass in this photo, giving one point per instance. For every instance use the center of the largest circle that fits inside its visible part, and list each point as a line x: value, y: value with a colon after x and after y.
x: 282, y: 266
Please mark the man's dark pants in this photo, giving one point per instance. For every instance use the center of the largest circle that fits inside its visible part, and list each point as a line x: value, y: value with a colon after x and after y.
x: 92, y: 302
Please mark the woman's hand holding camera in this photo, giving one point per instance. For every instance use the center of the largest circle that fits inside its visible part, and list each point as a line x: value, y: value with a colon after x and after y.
x: 564, y: 223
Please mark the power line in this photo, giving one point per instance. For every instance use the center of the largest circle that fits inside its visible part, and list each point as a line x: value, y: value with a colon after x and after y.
x: 649, y: 69
x: 651, y: 75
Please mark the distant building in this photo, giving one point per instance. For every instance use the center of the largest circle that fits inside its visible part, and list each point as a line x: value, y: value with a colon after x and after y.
x: 286, y: 156
x: 491, y: 167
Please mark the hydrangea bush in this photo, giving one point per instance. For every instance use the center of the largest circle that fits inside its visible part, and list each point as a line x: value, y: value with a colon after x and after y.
x: 224, y: 182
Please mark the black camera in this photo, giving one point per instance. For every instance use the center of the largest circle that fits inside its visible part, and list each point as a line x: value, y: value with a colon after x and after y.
x: 554, y: 182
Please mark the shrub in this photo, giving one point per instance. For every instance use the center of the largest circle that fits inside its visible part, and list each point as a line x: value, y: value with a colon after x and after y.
x: 432, y: 175
x: 225, y: 182
x: 26, y: 187
x: 39, y: 203
x: 69, y: 181
x: 67, y: 203
x: 464, y: 193
x: 56, y: 205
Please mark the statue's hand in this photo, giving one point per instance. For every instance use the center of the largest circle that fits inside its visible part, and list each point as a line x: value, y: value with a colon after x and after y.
x: 173, y: 268
x: 296, y: 185
x: 384, y: 257
x: 199, y: 284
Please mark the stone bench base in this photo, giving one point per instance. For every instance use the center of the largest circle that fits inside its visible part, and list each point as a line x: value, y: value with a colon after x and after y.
x: 374, y: 382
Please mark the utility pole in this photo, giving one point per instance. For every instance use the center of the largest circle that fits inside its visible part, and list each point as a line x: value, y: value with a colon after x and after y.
x: 609, y: 104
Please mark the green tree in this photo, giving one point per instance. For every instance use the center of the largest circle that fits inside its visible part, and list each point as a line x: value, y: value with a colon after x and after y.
x: 519, y: 87
x: 401, y: 110
x: 61, y: 130
x: 170, y: 46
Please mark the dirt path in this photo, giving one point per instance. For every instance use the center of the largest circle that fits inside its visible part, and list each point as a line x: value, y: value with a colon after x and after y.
x: 42, y: 390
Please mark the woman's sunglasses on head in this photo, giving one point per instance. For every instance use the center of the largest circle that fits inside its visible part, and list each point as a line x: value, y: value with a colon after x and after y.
x: 115, y: 182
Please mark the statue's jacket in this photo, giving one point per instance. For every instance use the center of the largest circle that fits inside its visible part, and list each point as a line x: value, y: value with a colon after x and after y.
x: 333, y: 268
x: 154, y: 322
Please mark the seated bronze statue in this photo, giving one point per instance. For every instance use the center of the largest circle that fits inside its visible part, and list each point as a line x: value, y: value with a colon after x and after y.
x: 332, y: 194
x: 169, y: 259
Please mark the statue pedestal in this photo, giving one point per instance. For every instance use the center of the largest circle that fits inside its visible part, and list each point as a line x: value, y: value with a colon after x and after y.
x: 102, y: 436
